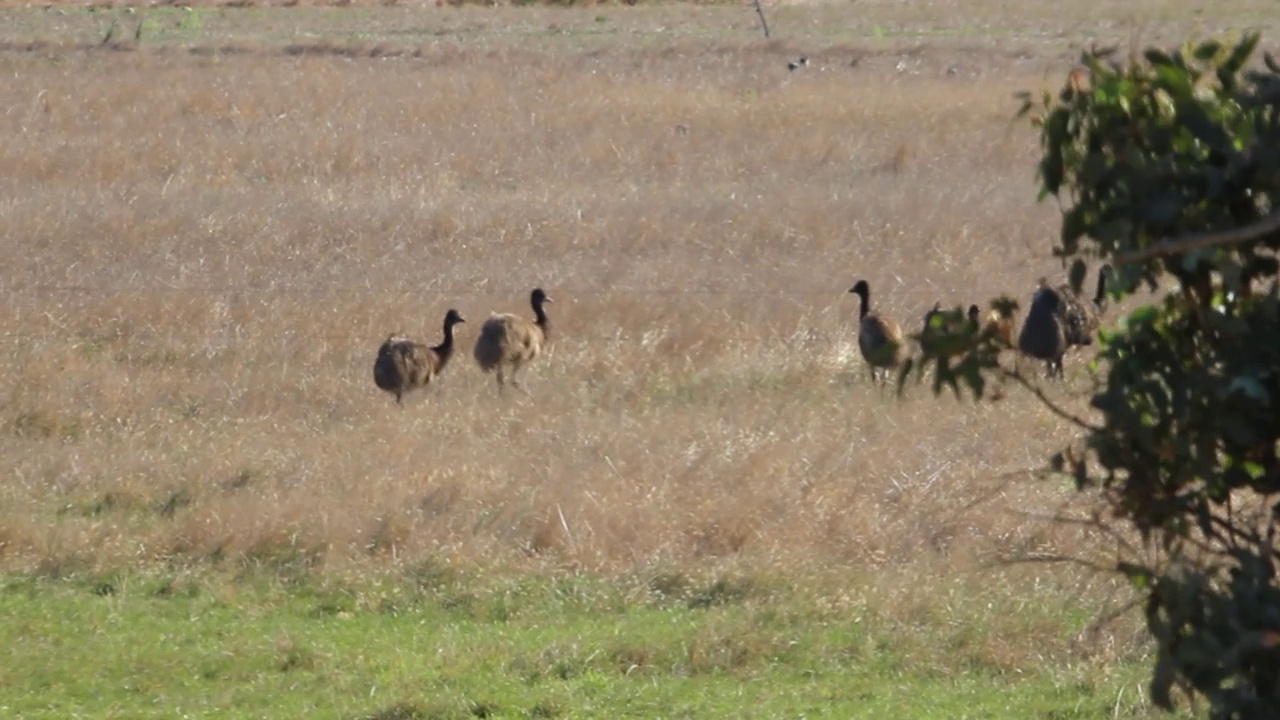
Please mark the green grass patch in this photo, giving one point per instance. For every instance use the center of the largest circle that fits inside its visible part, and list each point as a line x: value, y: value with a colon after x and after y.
x: 430, y: 643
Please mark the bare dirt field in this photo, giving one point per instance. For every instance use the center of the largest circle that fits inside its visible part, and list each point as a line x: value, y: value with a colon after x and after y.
x: 212, y: 217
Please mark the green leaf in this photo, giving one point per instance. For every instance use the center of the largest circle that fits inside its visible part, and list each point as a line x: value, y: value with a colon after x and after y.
x: 1157, y: 57
x: 1055, y: 139
x: 1056, y: 126
x: 1177, y: 83
x: 1207, y: 50
x: 1113, y: 231
x: 1025, y: 104
x: 1161, y: 210
x: 1241, y: 53
x: 1139, y: 575
x: 1051, y: 172
x: 1095, y: 169
x: 1194, y: 118
x: 1140, y: 317
x: 1075, y: 223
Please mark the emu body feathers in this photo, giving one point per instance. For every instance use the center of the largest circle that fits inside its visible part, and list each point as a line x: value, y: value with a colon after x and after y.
x: 403, y: 365
x: 508, y: 342
x: 879, y: 338
x: 1059, y: 320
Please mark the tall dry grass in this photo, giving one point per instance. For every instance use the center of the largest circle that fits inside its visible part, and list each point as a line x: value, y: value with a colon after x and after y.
x: 206, y: 248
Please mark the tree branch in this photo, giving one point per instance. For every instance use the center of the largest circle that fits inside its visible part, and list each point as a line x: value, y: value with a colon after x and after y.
x: 1200, y: 241
x: 1102, y: 620
x: 763, y: 23
x: 1088, y: 523
x: 1046, y: 559
x: 1234, y: 533
x: 1053, y: 407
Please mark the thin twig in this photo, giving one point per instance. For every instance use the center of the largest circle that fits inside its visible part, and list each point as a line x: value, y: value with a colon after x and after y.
x: 1233, y: 533
x: 1200, y: 241
x: 1231, y: 522
x: 763, y: 23
x: 1091, y: 523
x: 1053, y: 407
x: 1046, y: 559
x: 1107, y: 617
x: 994, y: 491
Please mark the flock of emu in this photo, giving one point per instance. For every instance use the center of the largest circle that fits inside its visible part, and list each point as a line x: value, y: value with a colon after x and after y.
x: 506, y: 343
x: 1057, y: 320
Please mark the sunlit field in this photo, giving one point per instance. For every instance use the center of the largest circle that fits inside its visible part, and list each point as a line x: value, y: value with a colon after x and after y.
x: 213, y: 216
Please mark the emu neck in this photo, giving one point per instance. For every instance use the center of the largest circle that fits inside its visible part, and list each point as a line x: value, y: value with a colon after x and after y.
x: 540, y: 319
x: 445, y: 348
x: 863, y: 306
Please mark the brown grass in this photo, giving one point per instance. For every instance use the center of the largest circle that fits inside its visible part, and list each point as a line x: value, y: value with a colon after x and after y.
x: 209, y: 238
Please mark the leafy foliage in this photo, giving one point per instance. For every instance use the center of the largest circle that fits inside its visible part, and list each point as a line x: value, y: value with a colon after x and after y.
x: 1182, y: 144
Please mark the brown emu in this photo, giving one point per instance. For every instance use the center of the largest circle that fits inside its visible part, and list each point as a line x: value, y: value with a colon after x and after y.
x: 508, y: 342
x: 403, y: 365
x: 879, y: 338
x: 1059, y: 320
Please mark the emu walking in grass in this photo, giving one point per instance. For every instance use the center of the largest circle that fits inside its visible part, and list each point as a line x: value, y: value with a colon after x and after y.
x: 508, y: 342
x: 403, y: 365
x: 1059, y: 320
x: 879, y: 338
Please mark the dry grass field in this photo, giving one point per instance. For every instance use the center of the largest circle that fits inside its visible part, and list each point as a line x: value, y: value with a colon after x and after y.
x: 213, y: 217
